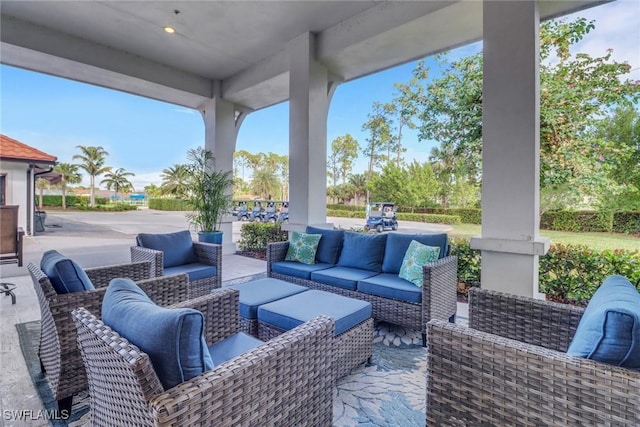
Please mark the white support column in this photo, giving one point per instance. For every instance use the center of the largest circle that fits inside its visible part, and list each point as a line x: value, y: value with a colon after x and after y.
x: 510, y: 241
x: 221, y: 131
x: 309, y: 96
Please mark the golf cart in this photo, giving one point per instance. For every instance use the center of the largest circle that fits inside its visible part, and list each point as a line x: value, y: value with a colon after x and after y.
x: 381, y: 216
x: 241, y: 212
x: 270, y: 214
x: 283, y: 216
x: 256, y: 212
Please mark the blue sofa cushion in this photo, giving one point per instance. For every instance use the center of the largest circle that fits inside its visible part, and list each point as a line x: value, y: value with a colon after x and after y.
x: 398, y: 243
x: 177, y: 247
x: 330, y: 244
x: 417, y: 256
x: 296, y: 269
x: 232, y: 346
x: 364, y: 251
x: 341, y: 277
x: 195, y: 271
x: 287, y: 313
x: 65, y: 275
x: 389, y: 285
x: 257, y: 292
x: 173, y: 338
x: 609, y: 330
x: 303, y: 247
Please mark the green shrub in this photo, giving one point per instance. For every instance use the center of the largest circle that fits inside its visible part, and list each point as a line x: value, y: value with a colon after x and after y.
x: 430, y: 218
x: 468, y: 261
x: 346, y: 213
x: 467, y: 216
x: 163, y: 204
x: 254, y: 236
x: 343, y: 207
x: 576, y: 221
x: 626, y: 222
x: 106, y: 208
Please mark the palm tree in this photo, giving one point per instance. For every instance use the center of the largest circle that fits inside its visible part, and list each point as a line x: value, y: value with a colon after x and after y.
x: 41, y: 184
x: 93, y: 159
x: 264, y: 182
x: 69, y: 175
x: 175, y: 180
x: 117, y: 180
x: 359, y: 182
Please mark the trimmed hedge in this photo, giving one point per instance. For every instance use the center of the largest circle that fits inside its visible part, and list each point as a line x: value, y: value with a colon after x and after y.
x: 55, y: 200
x: 346, y: 213
x: 162, y: 204
x: 433, y: 219
x: 626, y: 222
x: 107, y: 208
x: 467, y: 216
x: 343, y: 207
x: 577, y: 221
x: 567, y: 273
x: 254, y: 236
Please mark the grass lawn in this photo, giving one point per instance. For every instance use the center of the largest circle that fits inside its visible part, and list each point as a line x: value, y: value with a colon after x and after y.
x: 598, y: 241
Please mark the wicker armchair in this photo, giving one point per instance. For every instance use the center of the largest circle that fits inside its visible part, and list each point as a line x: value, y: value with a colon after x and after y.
x: 280, y: 383
x: 59, y: 355
x: 511, y: 368
x: 206, y: 253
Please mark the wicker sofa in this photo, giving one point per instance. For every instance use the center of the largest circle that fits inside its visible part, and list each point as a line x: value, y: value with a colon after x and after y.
x: 176, y: 253
x: 58, y: 352
x: 393, y: 300
x: 283, y: 382
x: 510, y: 367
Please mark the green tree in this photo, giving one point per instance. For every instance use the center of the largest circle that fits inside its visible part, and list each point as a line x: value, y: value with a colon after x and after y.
x: 265, y: 182
x: 358, y: 182
x: 576, y: 90
x: 41, y: 184
x: 117, y: 180
x: 422, y: 185
x: 93, y: 162
x: 175, y: 180
x: 152, y: 190
x: 243, y: 159
x: 344, y: 151
x: 69, y: 174
x: 380, y: 139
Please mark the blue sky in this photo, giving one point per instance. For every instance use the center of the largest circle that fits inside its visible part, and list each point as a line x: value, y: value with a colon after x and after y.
x: 145, y: 136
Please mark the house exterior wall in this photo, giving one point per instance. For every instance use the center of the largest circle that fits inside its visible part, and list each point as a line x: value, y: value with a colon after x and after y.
x: 17, y: 189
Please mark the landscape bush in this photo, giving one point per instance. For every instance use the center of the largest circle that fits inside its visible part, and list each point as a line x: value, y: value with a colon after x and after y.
x: 254, y: 236
x: 164, y: 204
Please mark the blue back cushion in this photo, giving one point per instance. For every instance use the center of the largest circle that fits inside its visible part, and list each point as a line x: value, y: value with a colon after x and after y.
x: 330, y: 244
x: 364, y: 251
x: 398, y: 243
x: 65, y: 275
x: 609, y: 330
x: 177, y: 247
x: 173, y: 338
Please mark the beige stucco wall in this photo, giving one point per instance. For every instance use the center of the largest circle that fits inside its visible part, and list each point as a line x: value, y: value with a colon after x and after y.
x: 16, y: 188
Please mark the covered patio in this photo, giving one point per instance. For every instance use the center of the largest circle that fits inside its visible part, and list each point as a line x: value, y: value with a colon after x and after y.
x: 227, y: 59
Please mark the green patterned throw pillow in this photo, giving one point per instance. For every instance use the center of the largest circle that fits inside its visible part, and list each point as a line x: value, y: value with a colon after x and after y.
x: 416, y: 256
x: 303, y: 247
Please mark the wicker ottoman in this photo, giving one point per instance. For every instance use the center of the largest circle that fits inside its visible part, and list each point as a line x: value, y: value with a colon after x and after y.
x: 353, y: 323
x: 257, y: 292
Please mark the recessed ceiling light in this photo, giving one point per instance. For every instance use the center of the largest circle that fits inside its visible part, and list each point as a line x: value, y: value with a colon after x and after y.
x: 169, y: 29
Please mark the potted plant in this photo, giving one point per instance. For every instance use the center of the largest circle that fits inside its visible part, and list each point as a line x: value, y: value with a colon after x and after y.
x: 209, y: 195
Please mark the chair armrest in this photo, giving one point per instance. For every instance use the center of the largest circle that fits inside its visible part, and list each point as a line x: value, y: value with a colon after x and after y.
x: 542, y: 323
x: 283, y: 381
x: 220, y: 310
x: 20, y: 239
x: 166, y: 290
x: 138, y: 253
x: 439, y: 286
x: 210, y: 254
x: 136, y: 271
x: 276, y: 252
x: 476, y: 378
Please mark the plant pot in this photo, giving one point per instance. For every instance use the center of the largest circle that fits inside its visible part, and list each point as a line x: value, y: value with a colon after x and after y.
x: 210, y: 237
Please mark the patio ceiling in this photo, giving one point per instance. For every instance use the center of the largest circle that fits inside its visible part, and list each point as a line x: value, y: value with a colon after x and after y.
x: 236, y: 50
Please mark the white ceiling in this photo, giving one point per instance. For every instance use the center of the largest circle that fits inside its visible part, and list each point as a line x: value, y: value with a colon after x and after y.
x: 236, y: 49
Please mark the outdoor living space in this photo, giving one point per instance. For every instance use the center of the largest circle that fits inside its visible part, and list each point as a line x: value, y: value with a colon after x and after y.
x: 390, y: 389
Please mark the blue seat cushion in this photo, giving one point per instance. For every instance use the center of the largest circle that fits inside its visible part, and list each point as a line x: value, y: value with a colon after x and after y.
x: 287, y: 313
x: 342, y: 277
x: 257, y: 292
x: 297, y: 269
x: 173, y: 338
x: 177, y: 247
x: 398, y: 243
x: 364, y: 251
x: 232, y: 346
x: 195, y: 271
x: 609, y: 330
x: 330, y: 244
x: 65, y: 275
x: 391, y: 286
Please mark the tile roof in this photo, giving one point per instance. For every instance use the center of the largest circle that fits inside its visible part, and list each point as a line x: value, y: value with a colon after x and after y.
x: 12, y: 149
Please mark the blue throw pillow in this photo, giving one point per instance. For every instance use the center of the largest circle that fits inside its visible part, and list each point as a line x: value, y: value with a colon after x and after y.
x: 303, y: 247
x: 177, y: 247
x: 173, y: 338
x: 364, y: 251
x: 65, y: 275
x: 330, y: 244
x: 398, y: 243
x: 609, y: 330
